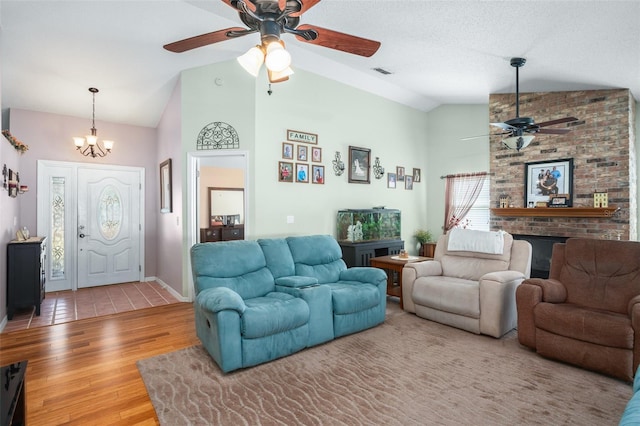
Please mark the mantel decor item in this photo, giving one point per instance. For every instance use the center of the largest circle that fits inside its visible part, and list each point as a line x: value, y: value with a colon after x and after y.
x: 93, y: 148
x: 166, y: 204
x: 546, y: 179
x: 359, y: 164
x: 19, y: 146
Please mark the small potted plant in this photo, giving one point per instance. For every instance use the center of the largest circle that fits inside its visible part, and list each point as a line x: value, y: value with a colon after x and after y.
x: 423, y: 237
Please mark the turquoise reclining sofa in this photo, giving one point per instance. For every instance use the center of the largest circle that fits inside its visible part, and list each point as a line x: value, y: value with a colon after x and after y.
x: 261, y: 300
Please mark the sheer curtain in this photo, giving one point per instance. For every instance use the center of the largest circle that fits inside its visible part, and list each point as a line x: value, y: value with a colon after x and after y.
x: 460, y: 192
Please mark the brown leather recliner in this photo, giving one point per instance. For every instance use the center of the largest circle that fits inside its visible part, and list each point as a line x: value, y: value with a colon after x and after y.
x: 588, y: 312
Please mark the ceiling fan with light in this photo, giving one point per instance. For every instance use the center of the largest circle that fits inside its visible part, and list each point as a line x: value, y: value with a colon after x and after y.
x: 520, y: 131
x: 272, y: 18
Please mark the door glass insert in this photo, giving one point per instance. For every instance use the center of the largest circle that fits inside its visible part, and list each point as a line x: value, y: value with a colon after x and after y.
x: 57, y: 227
x: 110, y: 212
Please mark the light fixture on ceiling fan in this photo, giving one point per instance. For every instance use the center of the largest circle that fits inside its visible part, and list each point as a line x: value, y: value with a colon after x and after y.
x: 93, y: 147
x: 272, y: 18
x: 520, y: 131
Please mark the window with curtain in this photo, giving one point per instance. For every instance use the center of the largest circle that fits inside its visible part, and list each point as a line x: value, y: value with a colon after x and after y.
x: 467, y: 201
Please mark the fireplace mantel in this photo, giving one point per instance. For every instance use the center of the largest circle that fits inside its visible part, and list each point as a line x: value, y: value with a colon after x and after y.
x: 606, y: 212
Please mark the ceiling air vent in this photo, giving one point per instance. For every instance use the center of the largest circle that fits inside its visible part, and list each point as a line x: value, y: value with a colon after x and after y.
x: 382, y: 71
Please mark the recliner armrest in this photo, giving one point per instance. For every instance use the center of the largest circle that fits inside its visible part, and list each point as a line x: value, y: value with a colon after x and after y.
x: 219, y: 299
x: 363, y: 274
x: 503, y: 276
x: 296, y: 281
x: 425, y: 268
x: 553, y: 291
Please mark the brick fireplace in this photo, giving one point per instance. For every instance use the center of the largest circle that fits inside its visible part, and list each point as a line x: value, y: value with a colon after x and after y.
x: 602, y: 146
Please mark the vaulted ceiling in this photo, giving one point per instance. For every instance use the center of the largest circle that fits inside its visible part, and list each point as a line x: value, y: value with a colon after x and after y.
x: 438, y: 52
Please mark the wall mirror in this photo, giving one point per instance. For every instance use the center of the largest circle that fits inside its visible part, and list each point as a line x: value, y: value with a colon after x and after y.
x: 226, y: 206
x: 166, y: 205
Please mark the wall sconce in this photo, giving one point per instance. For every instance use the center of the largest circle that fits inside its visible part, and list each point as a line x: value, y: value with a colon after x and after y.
x: 378, y: 170
x: 338, y: 165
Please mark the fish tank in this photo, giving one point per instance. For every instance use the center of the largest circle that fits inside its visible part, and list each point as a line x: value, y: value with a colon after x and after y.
x: 361, y: 225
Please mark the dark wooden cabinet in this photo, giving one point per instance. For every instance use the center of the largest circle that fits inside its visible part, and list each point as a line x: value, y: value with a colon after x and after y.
x: 221, y: 233
x: 25, y: 274
x: 12, y: 394
x: 358, y: 254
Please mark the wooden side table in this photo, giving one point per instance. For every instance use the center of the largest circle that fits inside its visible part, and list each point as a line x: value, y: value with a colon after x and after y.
x: 393, y: 264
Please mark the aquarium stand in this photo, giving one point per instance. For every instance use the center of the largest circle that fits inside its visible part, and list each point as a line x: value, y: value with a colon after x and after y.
x: 359, y: 254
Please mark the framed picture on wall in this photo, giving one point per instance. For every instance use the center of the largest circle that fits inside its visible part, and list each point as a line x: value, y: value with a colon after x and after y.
x: 408, y: 182
x: 303, y: 152
x: 359, y: 161
x: 416, y: 175
x: 287, y: 151
x: 544, y: 180
x: 285, y: 171
x: 400, y: 174
x: 391, y: 180
x: 317, y: 174
x: 316, y: 154
x: 302, y: 173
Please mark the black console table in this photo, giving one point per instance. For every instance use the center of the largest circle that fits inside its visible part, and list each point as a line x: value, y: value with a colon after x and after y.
x: 12, y: 394
x: 25, y: 274
x: 359, y: 254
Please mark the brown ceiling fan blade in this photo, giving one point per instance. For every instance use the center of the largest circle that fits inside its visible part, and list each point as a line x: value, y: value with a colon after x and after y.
x: 200, y: 40
x: 554, y: 131
x: 341, y: 41
x: 558, y: 121
x: 306, y: 5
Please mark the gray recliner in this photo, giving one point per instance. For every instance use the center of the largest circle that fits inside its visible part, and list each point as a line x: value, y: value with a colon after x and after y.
x: 469, y: 289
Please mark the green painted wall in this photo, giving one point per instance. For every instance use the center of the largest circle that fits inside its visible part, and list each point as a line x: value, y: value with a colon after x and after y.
x: 340, y: 115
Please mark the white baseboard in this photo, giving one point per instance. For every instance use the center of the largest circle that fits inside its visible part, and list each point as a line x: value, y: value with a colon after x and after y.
x: 170, y: 289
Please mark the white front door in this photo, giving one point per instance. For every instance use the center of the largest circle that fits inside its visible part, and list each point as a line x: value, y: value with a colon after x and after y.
x: 109, y: 227
x: 108, y: 203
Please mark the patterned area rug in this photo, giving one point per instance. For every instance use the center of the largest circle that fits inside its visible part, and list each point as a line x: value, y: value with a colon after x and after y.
x: 406, y: 371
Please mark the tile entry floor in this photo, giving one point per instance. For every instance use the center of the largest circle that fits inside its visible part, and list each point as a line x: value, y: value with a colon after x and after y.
x: 64, y: 306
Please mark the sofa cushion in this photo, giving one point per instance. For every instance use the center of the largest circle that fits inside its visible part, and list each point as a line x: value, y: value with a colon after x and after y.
x: 587, y: 325
x: 238, y: 265
x: 273, y: 314
x: 472, y: 265
x: 317, y: 256
x: 449, y: 294
x: 601, y: 274
x: 278, y: 256
x: 349, y: 297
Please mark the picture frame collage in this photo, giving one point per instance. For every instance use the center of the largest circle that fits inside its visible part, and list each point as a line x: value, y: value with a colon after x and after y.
x: 401, y: 176
x: 302, y: 159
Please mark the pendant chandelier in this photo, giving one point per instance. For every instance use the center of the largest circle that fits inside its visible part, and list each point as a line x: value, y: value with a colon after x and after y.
x: 92, y: 147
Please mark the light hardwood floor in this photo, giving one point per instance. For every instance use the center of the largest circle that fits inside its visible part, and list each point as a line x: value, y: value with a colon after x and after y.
x: 84, y: 372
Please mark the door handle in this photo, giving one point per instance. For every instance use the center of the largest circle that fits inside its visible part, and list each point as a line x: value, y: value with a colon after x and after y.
x: 83, y: 235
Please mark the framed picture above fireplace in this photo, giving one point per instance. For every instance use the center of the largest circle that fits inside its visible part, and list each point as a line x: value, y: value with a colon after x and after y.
x: 544, y: 180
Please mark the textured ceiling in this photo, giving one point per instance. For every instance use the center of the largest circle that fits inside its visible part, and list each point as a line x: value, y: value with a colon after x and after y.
x: 439, y: 52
